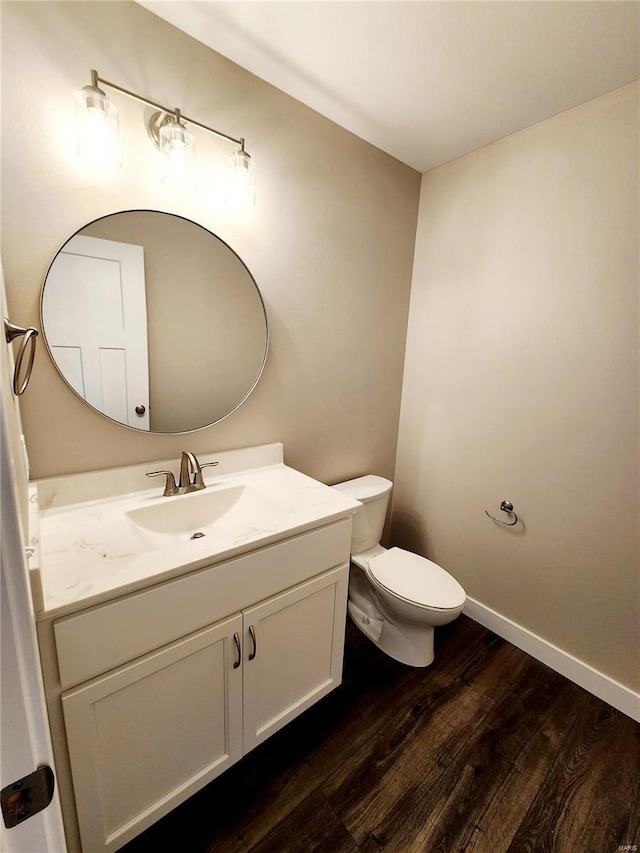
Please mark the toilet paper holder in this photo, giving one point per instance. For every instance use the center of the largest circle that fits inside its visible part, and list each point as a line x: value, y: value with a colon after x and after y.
x: 505, y: 506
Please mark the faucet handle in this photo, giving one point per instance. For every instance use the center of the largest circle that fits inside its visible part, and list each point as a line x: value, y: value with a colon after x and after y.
x: 170, y: 487
x: 198, y: 481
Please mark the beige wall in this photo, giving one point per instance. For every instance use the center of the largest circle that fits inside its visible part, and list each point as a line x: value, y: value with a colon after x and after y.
x: 522, y: 380
x: 330, y: 242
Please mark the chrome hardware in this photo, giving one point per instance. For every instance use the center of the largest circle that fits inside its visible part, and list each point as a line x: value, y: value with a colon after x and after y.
x: 190, y: 476
x: 189, y: 466
x: 505, y: 506
x: 236, y: 640
x: 191, y: 472
x: 170, y: 487
x: 252, y: 634
x: 140, y: 410
x: 206, y: 465
x: 12, y: 331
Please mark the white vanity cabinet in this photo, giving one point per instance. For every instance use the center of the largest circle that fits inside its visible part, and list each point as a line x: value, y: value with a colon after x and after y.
x: 293, y: 649
x: 148, y: 722
x: 144, y: 737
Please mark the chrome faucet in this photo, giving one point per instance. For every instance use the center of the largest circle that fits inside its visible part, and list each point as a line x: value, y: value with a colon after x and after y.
x: 191, y: 472
x: 190, y: 476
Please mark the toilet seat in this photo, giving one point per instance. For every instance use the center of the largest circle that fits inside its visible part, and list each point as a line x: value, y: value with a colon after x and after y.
x: 416, y: 580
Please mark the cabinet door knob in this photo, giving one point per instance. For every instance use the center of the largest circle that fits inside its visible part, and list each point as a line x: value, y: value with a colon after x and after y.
x: 236, y: 640
x: 252, y: 634
x: 140, y: 410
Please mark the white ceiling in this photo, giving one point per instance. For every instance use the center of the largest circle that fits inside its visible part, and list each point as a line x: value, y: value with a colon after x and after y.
x: 425, y: 81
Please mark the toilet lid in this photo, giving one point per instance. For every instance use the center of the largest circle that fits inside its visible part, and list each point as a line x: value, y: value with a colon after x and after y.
x: 417, y: 579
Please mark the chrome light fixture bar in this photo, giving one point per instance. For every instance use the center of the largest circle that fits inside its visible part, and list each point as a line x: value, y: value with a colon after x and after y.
x: 97, y: 129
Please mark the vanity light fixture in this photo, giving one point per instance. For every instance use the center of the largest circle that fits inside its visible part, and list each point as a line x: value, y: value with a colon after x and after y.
x: 97, y: 140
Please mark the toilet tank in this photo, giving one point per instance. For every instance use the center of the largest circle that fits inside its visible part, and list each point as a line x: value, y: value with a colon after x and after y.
x: 368, y: 522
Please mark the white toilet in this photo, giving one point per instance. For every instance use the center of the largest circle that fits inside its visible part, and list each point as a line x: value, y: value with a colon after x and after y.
x: 396, y: 598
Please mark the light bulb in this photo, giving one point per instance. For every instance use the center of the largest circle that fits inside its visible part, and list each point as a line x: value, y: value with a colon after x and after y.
x: 241, y: 179
x: 178, y: 148
x: 174, y: 136
x: 95, y: 101
x: 96, y: 127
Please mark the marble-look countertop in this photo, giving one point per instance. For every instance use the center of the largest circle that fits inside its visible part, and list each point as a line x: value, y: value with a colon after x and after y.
x: 90, y: 552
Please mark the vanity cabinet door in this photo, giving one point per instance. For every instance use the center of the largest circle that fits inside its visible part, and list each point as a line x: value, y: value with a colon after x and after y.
x: 149, y: 734
x: 293, y: 652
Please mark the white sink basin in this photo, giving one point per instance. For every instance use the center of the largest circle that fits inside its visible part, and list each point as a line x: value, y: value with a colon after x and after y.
x: 108, y: 533
x: 237, y: 511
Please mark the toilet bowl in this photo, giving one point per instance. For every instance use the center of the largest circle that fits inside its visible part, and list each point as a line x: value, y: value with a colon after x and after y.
x: 396, y: 598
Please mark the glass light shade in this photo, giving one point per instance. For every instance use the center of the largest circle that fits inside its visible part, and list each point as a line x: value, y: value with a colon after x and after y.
x: 241, y: 180
x: 178, y: 148
x: 97, y: 127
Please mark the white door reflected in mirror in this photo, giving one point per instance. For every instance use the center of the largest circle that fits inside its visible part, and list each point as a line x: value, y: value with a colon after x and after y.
x: 95, y: 310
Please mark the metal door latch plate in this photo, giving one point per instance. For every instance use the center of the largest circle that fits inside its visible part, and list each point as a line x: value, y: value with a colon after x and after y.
x: 27, y: 796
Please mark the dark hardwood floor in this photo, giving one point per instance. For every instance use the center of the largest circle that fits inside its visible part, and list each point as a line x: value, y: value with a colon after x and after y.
x: 486, y: 750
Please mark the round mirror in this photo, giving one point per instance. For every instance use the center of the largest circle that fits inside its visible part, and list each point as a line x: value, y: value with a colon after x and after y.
x: 154, y: 321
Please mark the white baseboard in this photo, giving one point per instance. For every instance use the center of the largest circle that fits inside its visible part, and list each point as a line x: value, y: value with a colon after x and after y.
x: 605, y: 688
